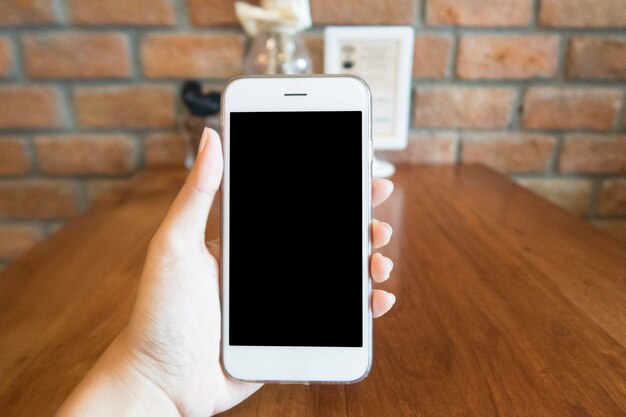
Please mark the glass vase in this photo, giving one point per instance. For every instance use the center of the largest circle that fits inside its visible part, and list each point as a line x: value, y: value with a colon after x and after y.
x: 277, y: 52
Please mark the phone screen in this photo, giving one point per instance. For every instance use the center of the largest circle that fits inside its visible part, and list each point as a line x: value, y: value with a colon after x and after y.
x: 296, y: 266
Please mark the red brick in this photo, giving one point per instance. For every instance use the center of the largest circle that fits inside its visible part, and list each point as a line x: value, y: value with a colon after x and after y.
x: 213, y: 12
x: 104, y: 188
x: 615, y: 228
x: 86, y: 154
x: 509, y: 152
x: 77, y: 55
x: 130, y: 107
x: 582, y: 13
x: 594, y: 154
x: 29, y: 107
x: 38, y: 199
x: 189, y: 55
x: 122, y: 12
x: 424, y: 149
x: 570, y: 108
x: 16, y: 239
x: 315, y: 46
x: 509, y: 56
x: 463, y: 107
x: 478, y: 13
x: 431, y: 56
x: 597, y: 57
x: 165, y: 149
x: 6, y: 58
x: 367, y: 12
x: 612, y: 200
x: 571, y: 194
x: 27, y: 12
x: 14, y: 159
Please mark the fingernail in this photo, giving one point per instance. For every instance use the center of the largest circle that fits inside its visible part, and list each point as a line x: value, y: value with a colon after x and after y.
x: 393, y: 298
x: 203, y: 139
x: 391, y: 184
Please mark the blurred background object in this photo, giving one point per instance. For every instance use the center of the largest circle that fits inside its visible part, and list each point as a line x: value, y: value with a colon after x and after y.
x: 276, y: 44
x: 90, y: 94
x: 198, y: 108
x: 383, y: 57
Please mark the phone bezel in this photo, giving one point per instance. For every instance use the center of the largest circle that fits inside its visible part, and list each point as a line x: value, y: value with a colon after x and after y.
x: 299, y: 364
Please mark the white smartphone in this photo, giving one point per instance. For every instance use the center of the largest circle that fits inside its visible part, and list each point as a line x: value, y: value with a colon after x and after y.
x: 296, y: 217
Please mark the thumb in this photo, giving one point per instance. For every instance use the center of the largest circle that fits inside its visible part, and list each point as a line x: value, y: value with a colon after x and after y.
x: 189, y: 212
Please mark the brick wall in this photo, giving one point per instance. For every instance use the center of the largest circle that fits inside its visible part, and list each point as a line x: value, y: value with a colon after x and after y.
x: 533, y: 88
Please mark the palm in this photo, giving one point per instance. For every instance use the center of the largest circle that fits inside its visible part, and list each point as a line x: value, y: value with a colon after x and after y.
x: 178, y: 310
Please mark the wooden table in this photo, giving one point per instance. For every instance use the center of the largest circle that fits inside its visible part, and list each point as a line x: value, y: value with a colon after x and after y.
x: 507, y: 306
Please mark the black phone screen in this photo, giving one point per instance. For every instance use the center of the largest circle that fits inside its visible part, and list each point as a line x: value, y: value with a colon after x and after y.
x: 296, y: 262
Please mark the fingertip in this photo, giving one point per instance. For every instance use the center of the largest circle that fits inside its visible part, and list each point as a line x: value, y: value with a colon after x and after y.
x: 388, y: 267
x: 381, y: 190
x: 392, y: 297
x: 203, y: 140
x: 381, y: 267
x: 381, y: 233
x: 213, y: 142
x: 382, y: 301
x: 207, y: 171
x: 211, y: 133
x: 389, y: 185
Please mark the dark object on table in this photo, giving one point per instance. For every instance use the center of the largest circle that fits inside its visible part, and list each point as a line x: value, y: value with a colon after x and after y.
x: 198, y: 102
x: 199, y: 109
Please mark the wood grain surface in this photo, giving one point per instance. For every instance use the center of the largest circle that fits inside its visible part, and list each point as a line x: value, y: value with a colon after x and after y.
x: 507, y: 306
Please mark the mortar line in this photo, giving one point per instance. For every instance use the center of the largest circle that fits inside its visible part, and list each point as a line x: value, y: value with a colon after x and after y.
x: 14, y: 71
x: 33, y: 157
x: 180, y: 27
x: 458, y: 151
x: 620, y: 122
x: 561, y: 64
x: 134, y: 44
x: 182, y: 14
x: 534, y: 17
x: 419, y: 19
x: 518, y: 101
x: 453, y: 56
x: 553, y: 163
x: 140, y: 148
x: 19, y: 68
x: 593, y: 202
x: 59, y: 8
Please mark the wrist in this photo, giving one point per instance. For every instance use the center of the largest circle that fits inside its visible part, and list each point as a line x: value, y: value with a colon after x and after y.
x: 114, y: 387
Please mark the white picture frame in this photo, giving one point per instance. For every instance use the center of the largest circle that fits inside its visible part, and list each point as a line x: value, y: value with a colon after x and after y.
x: 387, y: 56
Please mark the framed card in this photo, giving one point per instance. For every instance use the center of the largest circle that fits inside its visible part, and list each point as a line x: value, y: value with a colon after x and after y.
x: 383, y: 57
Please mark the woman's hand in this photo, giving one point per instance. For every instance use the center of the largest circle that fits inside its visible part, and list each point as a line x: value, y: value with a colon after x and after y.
x: 166, y: 360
